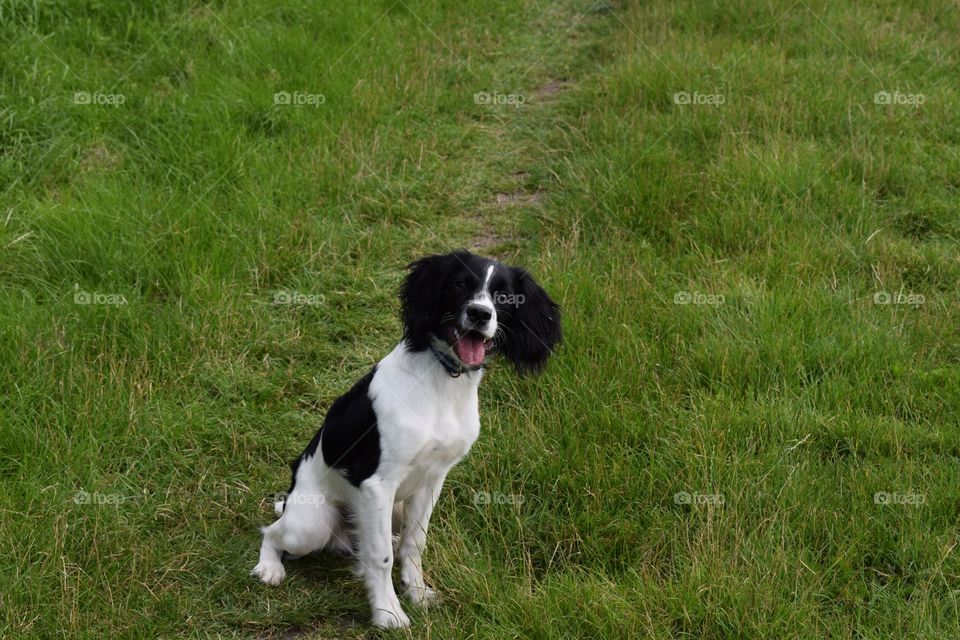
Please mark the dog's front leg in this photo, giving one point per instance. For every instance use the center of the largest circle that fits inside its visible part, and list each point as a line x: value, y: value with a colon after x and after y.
x: 373, y: 516
x: 413, y: 539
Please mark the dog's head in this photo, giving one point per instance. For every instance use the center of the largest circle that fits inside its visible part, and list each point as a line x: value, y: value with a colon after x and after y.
x: 470, y: 307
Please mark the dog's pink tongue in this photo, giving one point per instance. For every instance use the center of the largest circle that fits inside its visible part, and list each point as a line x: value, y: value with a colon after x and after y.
x: 470, y: 349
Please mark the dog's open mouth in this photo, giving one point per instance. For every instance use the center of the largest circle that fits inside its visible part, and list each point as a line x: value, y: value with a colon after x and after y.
x: 470, y: 346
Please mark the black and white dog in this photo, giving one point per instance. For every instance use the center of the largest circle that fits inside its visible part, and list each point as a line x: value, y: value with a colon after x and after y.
x: 385, y: 447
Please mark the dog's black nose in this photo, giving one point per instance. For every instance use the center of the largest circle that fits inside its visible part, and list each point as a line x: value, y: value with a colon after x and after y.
x: 478, y: 313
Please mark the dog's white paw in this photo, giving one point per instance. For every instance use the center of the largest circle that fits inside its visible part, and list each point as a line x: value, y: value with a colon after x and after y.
x: 390, y: 619
x: 423, y: 597
x: 271, y: 573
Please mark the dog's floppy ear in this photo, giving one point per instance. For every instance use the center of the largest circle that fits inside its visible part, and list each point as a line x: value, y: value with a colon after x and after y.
x: 532, y: 325
x: 420, y: 298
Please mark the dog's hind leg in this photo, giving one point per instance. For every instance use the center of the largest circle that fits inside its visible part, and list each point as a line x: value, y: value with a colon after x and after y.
x: 270, y: 568
x: 307, y: 523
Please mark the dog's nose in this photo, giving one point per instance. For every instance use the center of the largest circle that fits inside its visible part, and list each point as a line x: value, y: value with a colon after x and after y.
x: 478, y: 313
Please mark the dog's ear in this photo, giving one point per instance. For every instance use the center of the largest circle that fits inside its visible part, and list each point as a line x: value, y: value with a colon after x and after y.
x: 532, y: 325
x: 420, y: 298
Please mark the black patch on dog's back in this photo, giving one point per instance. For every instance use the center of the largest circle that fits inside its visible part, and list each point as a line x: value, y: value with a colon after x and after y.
x: 349, y: 439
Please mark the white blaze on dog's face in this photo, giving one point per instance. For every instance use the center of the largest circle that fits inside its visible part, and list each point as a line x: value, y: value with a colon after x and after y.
x: 475, y: 322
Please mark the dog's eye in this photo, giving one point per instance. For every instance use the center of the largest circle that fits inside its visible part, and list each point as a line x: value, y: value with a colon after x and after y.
x: 460, y: 284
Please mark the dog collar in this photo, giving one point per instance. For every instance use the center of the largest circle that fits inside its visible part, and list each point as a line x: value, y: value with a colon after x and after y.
x: 451, y: 365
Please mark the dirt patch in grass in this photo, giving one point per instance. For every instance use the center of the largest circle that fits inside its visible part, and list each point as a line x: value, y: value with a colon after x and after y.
x: 504, y: 200
x: 550, y: 89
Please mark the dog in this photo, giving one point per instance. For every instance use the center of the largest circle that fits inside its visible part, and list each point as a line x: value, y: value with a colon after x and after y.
x: 378, y: 463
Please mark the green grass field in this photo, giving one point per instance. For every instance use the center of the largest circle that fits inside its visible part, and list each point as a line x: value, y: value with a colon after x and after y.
x: 748, y: 210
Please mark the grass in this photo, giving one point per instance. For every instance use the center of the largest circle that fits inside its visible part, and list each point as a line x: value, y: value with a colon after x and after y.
x: 751, y: 430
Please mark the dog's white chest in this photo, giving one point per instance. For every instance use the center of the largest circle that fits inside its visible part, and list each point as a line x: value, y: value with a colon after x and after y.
x: 444, y: 441
x: 448, y: 442
x: 427, y: 420
x: 438, y: 448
